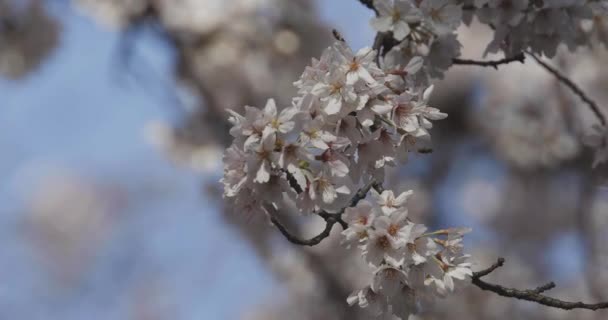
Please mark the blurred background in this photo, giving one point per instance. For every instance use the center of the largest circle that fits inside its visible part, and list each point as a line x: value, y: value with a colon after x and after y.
x: 112, y: 127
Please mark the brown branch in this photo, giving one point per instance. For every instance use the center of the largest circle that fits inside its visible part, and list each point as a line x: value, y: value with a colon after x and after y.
x: 494, y: 63
x: 482, y: 273
x: 330, y: 219
x: 572, y: 86
x: 329, y: 223
x: 533, y: 295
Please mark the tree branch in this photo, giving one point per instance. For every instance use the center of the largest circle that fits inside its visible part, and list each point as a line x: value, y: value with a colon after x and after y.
x: 572, y: 86
x: 494, y: 63
x: 330, y: 219
x: 533, y: 295
x: 329, y: 223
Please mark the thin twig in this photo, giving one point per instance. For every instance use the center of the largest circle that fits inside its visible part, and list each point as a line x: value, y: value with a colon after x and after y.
x: 329, y: 223
x: 568, y: 83
x: 494, y: 63
x: 330, y: 219
x: 545, y: 287
x: 499, y: 263
x: 533, y: 295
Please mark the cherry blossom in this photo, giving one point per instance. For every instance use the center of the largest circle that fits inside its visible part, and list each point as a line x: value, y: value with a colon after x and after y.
x: 395, y: 16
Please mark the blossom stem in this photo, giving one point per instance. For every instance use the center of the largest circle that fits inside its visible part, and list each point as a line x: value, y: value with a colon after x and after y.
x: 572, y: 86
x: 493, y: 63
x: 330, y: 219
x: 533, y: 295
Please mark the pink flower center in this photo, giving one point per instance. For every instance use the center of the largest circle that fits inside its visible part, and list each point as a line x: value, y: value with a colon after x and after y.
x: 393, y: 229
x: 382, y: 242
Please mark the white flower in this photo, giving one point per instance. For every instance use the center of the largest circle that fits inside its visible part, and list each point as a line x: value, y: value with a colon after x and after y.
x: 248, y: 126
x: 316, y: 71
x: 388, y: 202
x: 334, y: 91
x: 443, y: 16
x: 441, y: 55
x: 395, y: 16
x: 314, y: 134
x: 442, y: 273
x: 395, y: 225
x: 414, y: 116
x: 418, y: 248
x: 347, y: 127
x: 389, y: 280
x: 272, y: 190
x: 403, y: 113
x: 248, y: 205
x: 503, y: 12
x: 261, y: 159
x: 380, y: 246
x: 449, y: 263
x: 272, y: 122
x: 359, y: 219
x: 366, y: 117
x: 309, y: 105
x: 380, y: 107
x: 235, y: 171
x: 333, y: 157
x: 366, y: 298
x: 358, y: 66
x: 327, y: 187
x: 325, y: 191
x: 426, y: 113
x: 293, y: 156
x: 386, y: 241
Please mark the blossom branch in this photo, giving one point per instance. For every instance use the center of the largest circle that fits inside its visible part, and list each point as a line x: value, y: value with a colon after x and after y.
x: 572, y: 86
x: 494, y: 63
x: 329, y: 223
x: 330, y: 219
x: 533, y: 295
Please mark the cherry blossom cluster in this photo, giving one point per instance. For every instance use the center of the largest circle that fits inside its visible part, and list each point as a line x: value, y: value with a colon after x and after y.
x: 412, y: 267
x: 350, y: 121
x: 422, y: 29
x: 540, y: 26
x: 427, y: 28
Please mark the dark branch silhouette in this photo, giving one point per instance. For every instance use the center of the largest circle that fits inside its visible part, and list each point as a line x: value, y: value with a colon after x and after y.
x: 330, y: 219
x: 532, y: 295
x: 493, y: 63
x: 329, y: 223
x: 568, y: 83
